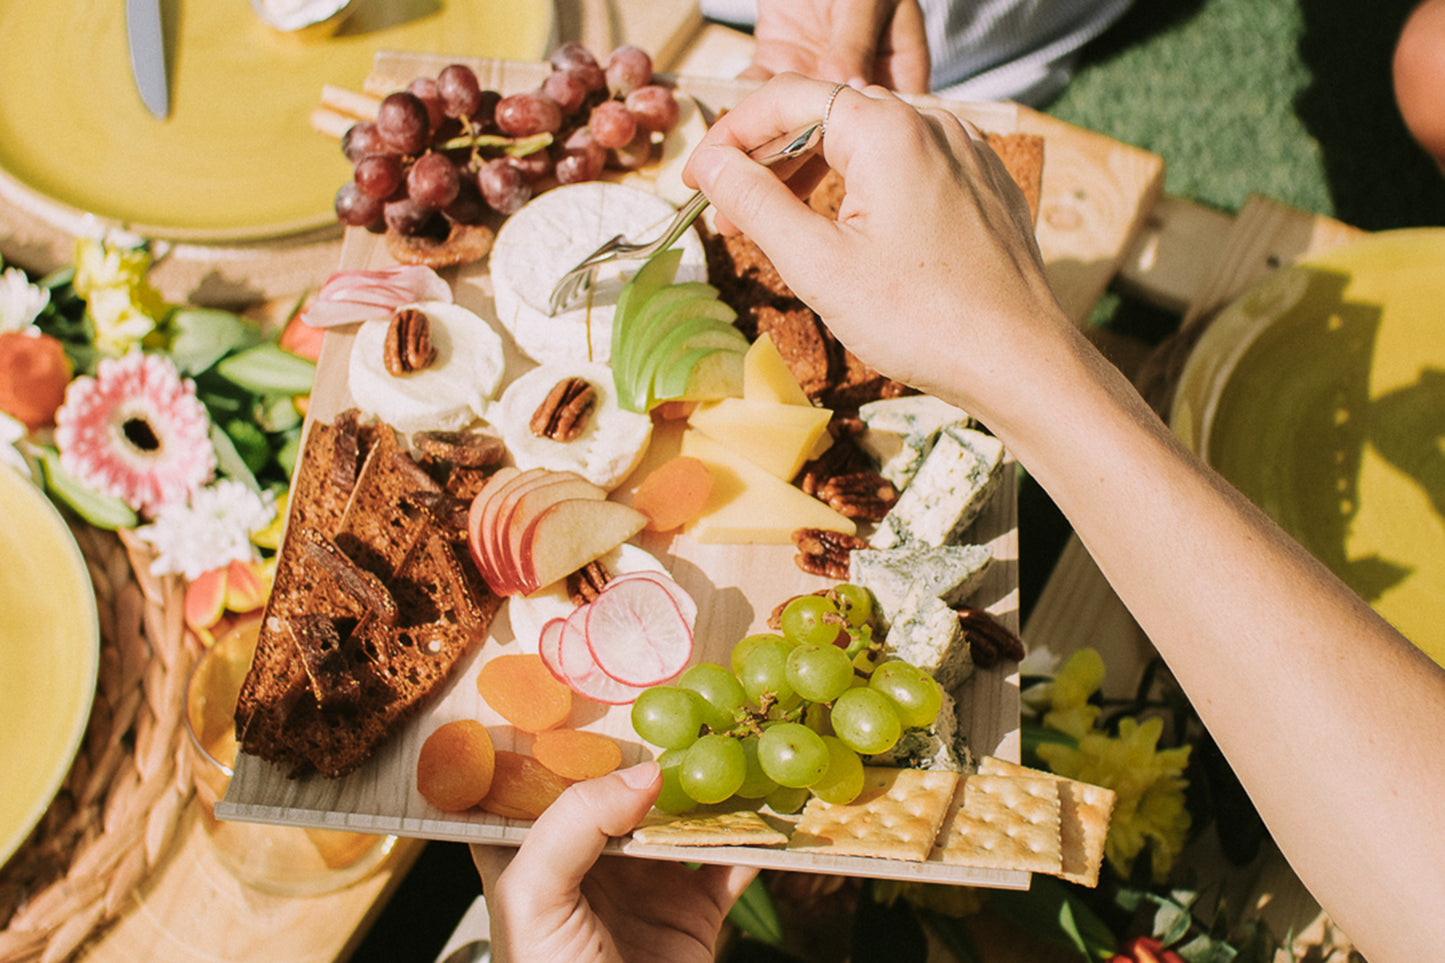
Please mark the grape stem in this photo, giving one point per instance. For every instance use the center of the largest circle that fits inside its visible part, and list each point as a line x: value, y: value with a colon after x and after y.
x: 515, y: 146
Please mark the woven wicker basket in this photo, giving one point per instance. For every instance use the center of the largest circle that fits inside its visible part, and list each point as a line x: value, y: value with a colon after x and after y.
x: 115, y: 817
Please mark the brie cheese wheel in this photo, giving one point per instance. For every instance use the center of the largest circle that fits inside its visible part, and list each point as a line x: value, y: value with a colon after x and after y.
x: 528, y: 613
x: 610, y: 445
x: 453, y: 390
x: 550, y: 236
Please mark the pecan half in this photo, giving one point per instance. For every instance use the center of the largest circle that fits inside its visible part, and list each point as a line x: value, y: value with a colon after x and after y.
x: 563, y: 414
x: 587, y: 582
x: 408, y: 346
x: 824, y: 552
x: 860, y: 494
x: 989, y: 639
x: 346, y: 449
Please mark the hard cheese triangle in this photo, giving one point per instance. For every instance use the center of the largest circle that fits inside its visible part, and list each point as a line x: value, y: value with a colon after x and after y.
x: 747, y: 505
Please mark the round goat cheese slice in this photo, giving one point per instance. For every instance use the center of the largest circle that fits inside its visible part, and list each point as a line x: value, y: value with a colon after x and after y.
x: 453, y: 390
x: 612, y: 440
x: 550, y: 236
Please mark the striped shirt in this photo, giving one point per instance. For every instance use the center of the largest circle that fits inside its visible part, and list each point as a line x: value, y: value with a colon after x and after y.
x: 1021, y: 50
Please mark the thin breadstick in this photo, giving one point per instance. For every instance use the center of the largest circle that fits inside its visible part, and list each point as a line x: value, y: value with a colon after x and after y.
x: 330, y: 123
x: 359, y: 105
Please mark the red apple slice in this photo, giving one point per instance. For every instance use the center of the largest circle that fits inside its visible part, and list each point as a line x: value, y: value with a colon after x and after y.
x: 686, y: 604
x: 571, y: 533
x: 636, y: 633
x: 530, y: 504
x: 574, y: 659
x: 476, y: 527
x: 498, y: 507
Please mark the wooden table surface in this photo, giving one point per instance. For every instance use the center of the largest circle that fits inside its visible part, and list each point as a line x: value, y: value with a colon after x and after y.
x: 1102, y: 221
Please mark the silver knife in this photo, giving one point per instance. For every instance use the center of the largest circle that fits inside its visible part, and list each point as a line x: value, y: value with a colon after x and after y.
x: 148, y: 54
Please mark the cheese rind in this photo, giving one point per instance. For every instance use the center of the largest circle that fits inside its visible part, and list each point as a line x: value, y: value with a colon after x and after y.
x: 610, y: 445
x: 551, y: 235
x: 953, y: 484
x: 450, y: 392
x: 947, y: 572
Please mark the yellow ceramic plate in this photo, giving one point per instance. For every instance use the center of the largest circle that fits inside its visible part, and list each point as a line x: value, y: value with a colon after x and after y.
x: 237, y: 158
x: 49, y: 651
x: 1321, y: 395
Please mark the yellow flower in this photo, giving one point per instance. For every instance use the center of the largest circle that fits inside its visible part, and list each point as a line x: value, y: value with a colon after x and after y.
x: 122, y: 305
x: 1079, y: 679
x: 1149, y: 785
x: 98, y: 265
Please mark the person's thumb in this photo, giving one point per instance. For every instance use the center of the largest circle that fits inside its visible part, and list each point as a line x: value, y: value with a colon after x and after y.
x: 566, y: 840
x: 750, y: 197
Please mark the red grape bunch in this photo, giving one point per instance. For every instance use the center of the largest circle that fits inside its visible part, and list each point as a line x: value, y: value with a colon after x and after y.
x: 444, y: 151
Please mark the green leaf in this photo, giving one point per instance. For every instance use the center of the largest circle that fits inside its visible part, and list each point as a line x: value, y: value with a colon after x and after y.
x: 229, y: 461
x: 250, y: 443
x: 1051, y: 909
x: 267, y: 370
x: 289, y: 452
x: 1171, y: 921
x: 277, y: 413
x: 755, y: 914
x: 204, y: 336
x: 99, y: 510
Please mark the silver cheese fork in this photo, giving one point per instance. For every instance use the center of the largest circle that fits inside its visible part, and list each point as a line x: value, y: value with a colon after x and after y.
x: 796, y: 144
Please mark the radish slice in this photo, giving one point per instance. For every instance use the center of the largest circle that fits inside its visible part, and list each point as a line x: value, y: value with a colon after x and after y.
x: 685, y: 602
x: 580, y: 670
x: 530, y: 612
x: 351, y: 296
x: 636, y: 632
x: 549, y: 648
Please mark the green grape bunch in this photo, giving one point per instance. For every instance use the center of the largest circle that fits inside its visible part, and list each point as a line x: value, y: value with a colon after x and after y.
x: 791, y: 715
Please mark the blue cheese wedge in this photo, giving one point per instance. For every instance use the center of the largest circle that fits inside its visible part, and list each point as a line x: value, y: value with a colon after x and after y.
x: 948, y: 572
x: 547, y: 238
x: 952, y: 486
x: 901, y: 432
x: 927, y: 633
x: 939, y: 746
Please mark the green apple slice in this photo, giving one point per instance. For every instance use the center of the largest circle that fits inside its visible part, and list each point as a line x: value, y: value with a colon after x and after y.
x: 657, y: 273
x: 702, y: 374
x: 689, y: 334
x: 653, y: 319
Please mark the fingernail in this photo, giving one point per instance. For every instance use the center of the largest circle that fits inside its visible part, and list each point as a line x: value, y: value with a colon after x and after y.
x: 641, y: 775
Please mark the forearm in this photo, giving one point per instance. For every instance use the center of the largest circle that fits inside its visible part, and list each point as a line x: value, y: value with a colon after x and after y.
x: 1329, y: 717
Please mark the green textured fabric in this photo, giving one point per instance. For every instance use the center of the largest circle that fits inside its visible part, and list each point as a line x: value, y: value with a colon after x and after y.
x: 1291, y: 99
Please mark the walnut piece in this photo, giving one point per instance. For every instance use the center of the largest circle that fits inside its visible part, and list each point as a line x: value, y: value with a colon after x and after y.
x: 824, y: 552
x: 562, y: 416
x: 408, y: 346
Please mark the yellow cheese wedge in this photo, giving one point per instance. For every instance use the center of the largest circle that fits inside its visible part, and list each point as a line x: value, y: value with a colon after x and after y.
x: 766, y: 376
x: 776, y: 437
x: 749, y: 506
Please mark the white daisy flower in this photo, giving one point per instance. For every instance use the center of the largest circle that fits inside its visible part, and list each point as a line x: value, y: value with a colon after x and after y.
x: 212, y: 530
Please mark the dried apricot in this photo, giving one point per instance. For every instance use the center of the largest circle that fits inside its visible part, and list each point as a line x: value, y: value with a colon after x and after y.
x: 522, y: 787
x: 674, y: 493
x: 525, y: 692
x: 455, y: 767
x: 577, y: 753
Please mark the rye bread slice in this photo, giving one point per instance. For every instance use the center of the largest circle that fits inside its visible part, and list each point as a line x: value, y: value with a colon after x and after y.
x: 379, y: 669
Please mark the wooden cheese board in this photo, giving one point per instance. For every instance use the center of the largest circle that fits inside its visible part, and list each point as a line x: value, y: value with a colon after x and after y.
x: 736, y: 588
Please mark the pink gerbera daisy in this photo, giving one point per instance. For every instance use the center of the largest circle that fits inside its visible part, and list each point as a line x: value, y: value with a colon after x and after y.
x: 137, y: 432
